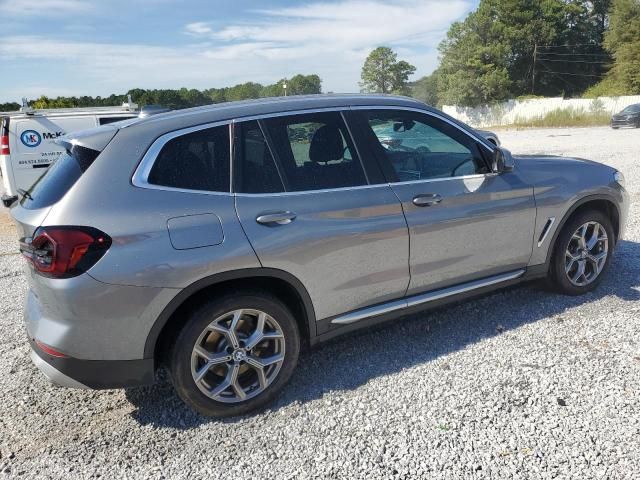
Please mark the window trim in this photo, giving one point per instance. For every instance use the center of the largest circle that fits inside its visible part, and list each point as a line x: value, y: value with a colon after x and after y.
x: 141, y: 173
x: 239, y: 128
x: 140, y: 176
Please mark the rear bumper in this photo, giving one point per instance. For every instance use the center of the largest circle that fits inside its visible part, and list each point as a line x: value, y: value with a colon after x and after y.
x: 96, y: 374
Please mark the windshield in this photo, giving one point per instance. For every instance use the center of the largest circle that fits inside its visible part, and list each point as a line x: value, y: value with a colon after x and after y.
x: 632, y: 109
x: 58, y: 179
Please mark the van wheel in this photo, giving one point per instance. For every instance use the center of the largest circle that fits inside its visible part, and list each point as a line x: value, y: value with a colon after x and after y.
x: 234, y: 354
x: 582, y: 253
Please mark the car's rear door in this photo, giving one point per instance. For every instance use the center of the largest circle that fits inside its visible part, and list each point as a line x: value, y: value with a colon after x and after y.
x: 465, y: 222
x: 309, y: 206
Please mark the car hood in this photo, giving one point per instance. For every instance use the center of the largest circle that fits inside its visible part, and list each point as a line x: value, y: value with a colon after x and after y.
x: 549, y: 161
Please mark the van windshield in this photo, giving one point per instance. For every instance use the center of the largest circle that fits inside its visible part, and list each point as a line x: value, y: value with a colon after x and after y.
x: 58, y: 179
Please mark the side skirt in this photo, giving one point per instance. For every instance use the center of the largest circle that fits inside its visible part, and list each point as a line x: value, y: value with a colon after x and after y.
x: 370, y: 316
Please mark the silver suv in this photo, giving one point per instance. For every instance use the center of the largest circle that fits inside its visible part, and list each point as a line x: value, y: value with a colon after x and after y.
x: 218, y: 241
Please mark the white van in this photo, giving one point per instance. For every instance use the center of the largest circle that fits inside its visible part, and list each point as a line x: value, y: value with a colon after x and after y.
x: 27, y: 140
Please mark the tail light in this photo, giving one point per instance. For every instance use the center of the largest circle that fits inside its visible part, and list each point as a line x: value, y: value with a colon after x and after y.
x: 4, y: 145
x: 64, y: 252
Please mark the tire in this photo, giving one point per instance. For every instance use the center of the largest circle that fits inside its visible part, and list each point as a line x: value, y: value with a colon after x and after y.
x: 567, y: 253
x: 206, y: 327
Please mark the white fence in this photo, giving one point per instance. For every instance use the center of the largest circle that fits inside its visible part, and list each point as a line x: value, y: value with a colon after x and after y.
x: 508, y: 112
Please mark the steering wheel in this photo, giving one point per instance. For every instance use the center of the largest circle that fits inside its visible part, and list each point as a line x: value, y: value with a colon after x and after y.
x: 423, y: 149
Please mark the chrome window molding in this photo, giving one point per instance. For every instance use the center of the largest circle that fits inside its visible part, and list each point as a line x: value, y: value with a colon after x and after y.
x: 141, y: 175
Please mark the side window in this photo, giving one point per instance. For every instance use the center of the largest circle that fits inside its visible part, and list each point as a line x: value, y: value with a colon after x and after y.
x: 257, y: 169
x: 195, y: 161
x: 315, y: 151
x: 419, y: 146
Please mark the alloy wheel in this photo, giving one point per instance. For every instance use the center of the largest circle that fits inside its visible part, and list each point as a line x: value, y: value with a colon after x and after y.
x: 586, y: 254
x: 238, y: 355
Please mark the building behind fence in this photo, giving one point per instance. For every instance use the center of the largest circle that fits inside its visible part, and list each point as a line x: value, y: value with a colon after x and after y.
x: 514, y: 111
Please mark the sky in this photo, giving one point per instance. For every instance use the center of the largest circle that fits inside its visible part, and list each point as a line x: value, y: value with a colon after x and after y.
x: 87, y: 47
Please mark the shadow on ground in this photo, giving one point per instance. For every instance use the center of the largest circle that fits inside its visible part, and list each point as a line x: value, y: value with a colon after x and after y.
x: 349, y: 362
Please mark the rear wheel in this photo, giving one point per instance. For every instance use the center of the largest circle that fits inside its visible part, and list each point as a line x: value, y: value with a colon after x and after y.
x: 582, y: 253
x: 234, y: 354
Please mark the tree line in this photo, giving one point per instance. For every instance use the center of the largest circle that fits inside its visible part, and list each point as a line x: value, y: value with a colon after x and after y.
x: 184, y: 97
x: 513, y: 48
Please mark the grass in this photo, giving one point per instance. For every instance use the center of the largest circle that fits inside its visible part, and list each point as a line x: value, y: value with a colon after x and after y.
x: 566, y: 117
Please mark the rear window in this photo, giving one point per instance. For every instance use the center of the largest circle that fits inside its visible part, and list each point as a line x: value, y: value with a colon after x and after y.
x: 58, y: 179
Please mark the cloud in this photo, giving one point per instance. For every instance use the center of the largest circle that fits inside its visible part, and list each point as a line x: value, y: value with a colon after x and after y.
x: 351, y: 24
x: 330, y: 39
x: 198, y: 29
x: 43, y: 7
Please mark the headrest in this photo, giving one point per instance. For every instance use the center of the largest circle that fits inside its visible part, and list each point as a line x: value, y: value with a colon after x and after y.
x: 326, y: 145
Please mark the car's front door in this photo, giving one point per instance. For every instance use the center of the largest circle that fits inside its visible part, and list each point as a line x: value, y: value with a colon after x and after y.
x: 308, y: 207
x: 465, y: 222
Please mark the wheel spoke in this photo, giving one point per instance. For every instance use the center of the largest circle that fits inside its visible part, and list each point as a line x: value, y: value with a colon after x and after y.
x: 210, y: 357
x: 580, y: 271
x: 262, y: 378
x: 593, y: 240
x: 258, y: 335
x: 220, y: 388
x: 202, y: 372
x: 597, y: 260
x: 264, y: 362
x: 237, y: 388
x: 231, y: 335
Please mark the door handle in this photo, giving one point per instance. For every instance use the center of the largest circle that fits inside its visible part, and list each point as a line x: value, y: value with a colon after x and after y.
x: 427, y: 199
x: 280, y: 218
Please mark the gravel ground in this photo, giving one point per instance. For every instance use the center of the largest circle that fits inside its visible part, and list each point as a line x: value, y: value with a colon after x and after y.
x: 519, y: 384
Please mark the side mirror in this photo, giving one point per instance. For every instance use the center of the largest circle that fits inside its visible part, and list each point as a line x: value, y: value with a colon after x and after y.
x: 502, y: 160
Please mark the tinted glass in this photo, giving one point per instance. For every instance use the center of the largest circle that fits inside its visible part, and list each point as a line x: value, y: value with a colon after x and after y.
x: 108, y: 120
x: 195, y: 161
x: 632, y: 109
x: 58, y: 179
x: 258, y: 172
x: 315, y: 152
x: 422, y: 147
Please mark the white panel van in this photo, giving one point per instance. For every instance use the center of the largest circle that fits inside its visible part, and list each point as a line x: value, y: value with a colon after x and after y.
x: 27, y: 140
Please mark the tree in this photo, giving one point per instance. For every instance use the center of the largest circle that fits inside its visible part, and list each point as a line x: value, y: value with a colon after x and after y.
x: 508, y: 48
x: 426, y: 89
x: 383, y: 73
x: 304, y: 85
x: 623, y: 41
x: 184, y: 97
x: 9, y: 107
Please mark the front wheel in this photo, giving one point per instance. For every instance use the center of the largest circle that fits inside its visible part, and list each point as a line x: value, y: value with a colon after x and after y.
x: 582, y: 253
x: 234, y: 354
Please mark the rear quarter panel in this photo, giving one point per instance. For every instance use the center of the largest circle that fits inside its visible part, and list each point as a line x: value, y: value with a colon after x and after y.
x: 136, y: 219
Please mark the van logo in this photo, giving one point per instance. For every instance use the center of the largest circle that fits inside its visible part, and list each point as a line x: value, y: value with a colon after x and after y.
x: 30, y: 138
x: 52, y: 135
